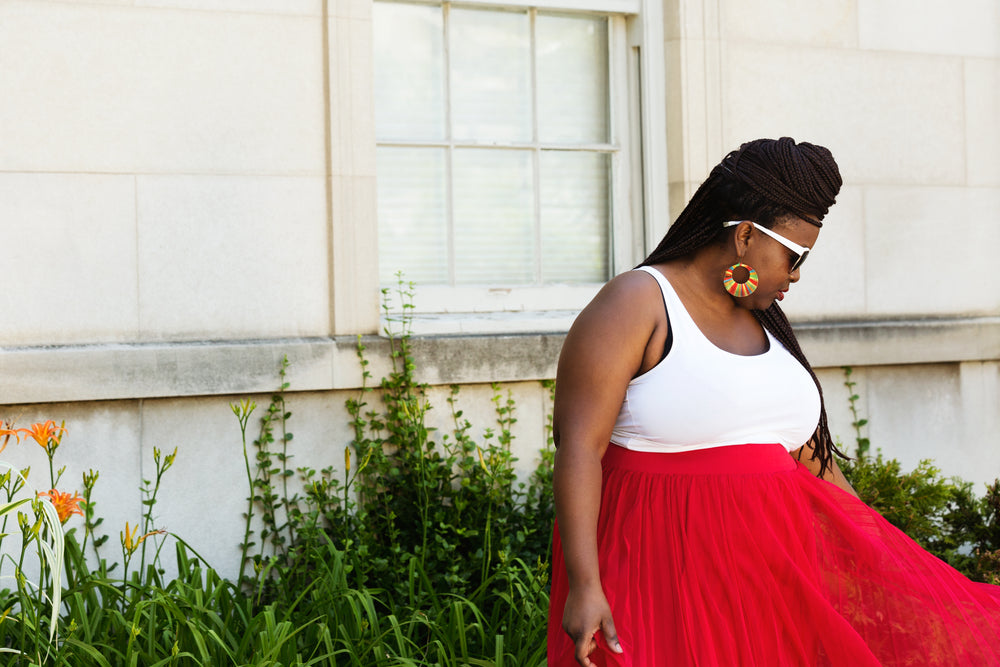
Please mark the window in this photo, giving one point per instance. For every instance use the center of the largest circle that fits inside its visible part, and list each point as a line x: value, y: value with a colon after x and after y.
x: 503, y: 154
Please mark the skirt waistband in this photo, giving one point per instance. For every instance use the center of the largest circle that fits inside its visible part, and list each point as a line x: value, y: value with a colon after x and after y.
x: 730, y: 459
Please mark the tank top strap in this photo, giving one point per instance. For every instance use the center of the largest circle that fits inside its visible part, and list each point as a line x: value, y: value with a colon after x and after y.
x: 677, y: 315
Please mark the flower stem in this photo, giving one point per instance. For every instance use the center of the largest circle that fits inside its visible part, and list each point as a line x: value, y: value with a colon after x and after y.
x: 242, y: 411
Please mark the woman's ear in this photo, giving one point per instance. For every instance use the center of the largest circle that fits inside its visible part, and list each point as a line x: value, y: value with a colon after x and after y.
x: 741, y: 239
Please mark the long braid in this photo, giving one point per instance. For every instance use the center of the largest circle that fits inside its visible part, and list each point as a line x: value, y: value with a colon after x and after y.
x: 688, y: 233
x: 808, y: 175
x: 824, y: 448
x: 762, y: 181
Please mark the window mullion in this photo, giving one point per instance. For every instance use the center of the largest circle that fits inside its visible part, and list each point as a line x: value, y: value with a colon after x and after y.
x: 536, y: 161
x: 637, y: 197
x: 621, y: 233
x: 449, y: 145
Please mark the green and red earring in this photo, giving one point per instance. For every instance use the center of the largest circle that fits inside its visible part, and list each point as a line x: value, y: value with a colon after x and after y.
x: 740, y: 279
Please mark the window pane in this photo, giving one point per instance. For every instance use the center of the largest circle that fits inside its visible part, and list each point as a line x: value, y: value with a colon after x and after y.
x: 572, y: 79
x: 490, y: 75
x: 409, y: 71
x: 494, y: 213
x: 412, y: 215
x: 574, y: 216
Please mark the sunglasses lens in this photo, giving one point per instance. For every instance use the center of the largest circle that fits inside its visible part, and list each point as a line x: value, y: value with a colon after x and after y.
x: 799, y: 261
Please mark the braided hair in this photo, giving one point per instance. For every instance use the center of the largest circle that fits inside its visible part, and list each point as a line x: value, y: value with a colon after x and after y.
x: 763, y: 181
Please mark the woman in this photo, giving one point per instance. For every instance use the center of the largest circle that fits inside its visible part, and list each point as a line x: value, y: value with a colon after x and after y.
x: 701, y: 515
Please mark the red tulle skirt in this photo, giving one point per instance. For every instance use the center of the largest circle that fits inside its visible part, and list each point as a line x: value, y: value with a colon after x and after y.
x: 740, y: 556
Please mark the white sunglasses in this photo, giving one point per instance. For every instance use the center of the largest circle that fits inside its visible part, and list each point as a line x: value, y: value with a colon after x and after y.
x: 801, y: 251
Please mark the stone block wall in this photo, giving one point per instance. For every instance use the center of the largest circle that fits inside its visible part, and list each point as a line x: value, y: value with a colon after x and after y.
x: 187, y: 194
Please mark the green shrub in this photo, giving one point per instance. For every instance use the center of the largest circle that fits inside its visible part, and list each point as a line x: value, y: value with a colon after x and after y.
x: 423, y: 550
x: 943, y: 514
x: 428, y: 525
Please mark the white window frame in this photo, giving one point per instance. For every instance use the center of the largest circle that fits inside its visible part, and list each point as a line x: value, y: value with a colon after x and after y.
x: 639, y: 211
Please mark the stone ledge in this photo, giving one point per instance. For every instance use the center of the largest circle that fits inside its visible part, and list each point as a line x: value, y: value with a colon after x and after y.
x: 109, y: 372
x: 887, y: 342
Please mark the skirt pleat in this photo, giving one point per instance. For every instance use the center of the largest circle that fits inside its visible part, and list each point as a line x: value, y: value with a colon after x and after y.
x: 740, y: 556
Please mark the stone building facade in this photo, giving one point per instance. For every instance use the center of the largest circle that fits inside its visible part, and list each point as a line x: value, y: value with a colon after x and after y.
x: 189, y: 191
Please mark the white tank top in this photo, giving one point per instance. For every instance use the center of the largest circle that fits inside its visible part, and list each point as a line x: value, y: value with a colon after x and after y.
x: 701, y: 396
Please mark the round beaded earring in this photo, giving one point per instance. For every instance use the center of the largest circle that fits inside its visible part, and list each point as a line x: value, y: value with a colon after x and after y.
x: 740, y: 279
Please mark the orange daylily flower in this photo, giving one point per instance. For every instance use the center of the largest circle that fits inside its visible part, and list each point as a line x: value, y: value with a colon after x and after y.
x: 129, y: 540
x: 66, y: 505
x: 6, y: 431
x: 45, y: 434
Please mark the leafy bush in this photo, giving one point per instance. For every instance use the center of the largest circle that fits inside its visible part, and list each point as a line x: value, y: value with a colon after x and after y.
x: 424, y: 552
x: 419, y: 517
x: 942, y: 514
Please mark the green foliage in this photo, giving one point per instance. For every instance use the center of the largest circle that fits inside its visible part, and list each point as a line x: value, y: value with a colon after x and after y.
x: 942, y: 514
x: 424, y: 549
x: 429, y: 525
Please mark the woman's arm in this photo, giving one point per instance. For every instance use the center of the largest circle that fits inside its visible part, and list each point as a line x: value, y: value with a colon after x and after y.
x: 832, y: 474
x: 602, y: 352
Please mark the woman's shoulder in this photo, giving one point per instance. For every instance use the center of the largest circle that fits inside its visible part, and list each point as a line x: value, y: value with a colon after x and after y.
x: 620, y: 333
x: 630, y: 288
x: 631, y: 299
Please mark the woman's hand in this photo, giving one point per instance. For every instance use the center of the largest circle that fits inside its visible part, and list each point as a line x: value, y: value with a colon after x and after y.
x: 586, y: 613
x: 833, y: 473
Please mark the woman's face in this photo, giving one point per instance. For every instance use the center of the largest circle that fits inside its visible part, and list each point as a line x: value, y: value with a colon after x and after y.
x: 773, y: 261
